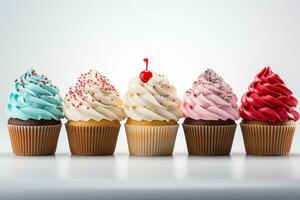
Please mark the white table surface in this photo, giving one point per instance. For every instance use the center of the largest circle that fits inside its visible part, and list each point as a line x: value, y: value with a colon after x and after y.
x: 129, y: 177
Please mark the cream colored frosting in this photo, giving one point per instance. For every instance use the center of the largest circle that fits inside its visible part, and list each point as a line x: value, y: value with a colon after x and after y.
x: 154, y: 100
x: 93, y: 98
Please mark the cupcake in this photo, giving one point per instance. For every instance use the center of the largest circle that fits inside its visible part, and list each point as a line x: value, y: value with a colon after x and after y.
x: 35, y: 110
x: 269, y: 115
x: 94, y: 111
x: 210, y: 110
x: 153, y: 111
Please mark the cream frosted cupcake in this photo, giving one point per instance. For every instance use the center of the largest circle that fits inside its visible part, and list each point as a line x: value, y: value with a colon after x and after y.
x: 153, y: 111
x: 94, y: 111
x: 210, y: 109
x: 35, y: 110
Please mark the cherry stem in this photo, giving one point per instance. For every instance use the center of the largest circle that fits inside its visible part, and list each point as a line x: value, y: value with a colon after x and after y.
x: 146, y: 61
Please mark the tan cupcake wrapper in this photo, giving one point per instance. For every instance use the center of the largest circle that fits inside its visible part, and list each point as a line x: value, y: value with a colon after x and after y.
x: 34, y: 140
x: 209, y: 140
x: 151, y: 140
x: 92, y: 140
x: 268, y: 140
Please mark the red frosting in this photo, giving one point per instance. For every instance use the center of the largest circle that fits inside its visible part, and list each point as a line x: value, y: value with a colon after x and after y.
x: 268, y: 99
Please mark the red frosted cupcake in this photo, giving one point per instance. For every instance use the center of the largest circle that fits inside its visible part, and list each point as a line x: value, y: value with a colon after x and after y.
x: 269, y: 115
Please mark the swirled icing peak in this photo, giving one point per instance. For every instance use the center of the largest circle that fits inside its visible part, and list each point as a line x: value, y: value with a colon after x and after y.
x: 34, y: 97
x: 154, y: 100
x: 210, y: 98
x: 93, y: 98
x: 268, y: 99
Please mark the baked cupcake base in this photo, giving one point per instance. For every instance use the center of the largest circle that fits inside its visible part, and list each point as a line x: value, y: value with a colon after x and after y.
x: 92, y: 138
x: 34, y: 140
x: 209, y: 138
x: 268, y: 139
x: 151, y: 140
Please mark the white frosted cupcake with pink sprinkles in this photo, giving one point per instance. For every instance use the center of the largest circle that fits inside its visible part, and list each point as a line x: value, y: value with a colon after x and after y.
x: 94, y: 111
x: 210, y: 110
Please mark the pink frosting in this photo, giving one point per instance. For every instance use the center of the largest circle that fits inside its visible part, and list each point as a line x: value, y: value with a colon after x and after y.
x: 210, y: 98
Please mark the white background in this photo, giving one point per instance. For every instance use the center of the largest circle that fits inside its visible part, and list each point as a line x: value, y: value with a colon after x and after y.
x: 63, y: 39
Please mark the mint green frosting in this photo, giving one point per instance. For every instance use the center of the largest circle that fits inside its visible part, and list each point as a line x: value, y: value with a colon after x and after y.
x: 34, y: 97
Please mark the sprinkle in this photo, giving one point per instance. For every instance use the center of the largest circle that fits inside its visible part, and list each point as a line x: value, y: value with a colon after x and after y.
x: 88, y: 81
x: 210, y: 79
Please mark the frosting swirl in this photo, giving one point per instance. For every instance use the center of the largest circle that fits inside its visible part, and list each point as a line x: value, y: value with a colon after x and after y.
x: 34, y: 97
x: 210, y: 98
x: 154, y: 100
x: 93, y: 98
x: 268, y: 99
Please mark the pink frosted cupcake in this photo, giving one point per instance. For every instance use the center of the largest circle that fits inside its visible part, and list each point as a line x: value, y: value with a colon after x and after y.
x: 210, y: 109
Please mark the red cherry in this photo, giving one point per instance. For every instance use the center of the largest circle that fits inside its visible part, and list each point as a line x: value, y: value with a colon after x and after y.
x: 146, y: 75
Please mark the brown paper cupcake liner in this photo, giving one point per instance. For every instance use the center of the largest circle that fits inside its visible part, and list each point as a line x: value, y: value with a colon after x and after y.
x: 209, y: 140
x: 151, y: 140
x: 34, y: 140
x: 267, y: 140
x: 92, y: 140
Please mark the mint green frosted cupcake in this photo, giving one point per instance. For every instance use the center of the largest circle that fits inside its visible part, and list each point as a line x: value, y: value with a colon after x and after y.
x: 35, y: 110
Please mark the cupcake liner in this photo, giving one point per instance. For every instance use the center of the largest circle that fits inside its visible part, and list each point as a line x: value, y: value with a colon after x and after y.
x: 209, y: 140
x: 34, y: 140
x: 268, y: 140
x: 151, y: 140
x: 92, y: 140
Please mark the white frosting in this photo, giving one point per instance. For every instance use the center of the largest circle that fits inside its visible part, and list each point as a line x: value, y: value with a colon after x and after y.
x: 154, y: 100
x: 93, y: 98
